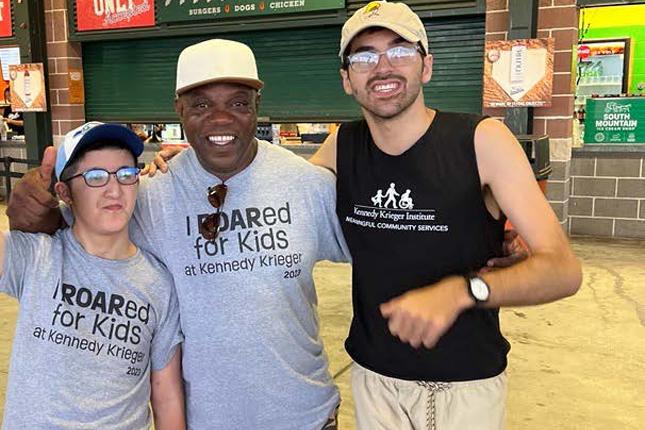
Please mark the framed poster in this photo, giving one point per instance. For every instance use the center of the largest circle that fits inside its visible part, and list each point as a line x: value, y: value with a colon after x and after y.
x: 114, y: 14
x: 518, y: 73
x: 27, y: 83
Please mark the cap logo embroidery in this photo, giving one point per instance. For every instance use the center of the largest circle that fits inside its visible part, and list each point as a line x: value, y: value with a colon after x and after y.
x: 83, y: 130
x: 372, y: 9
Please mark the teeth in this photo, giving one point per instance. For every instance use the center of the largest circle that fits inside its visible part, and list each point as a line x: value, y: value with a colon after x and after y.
x: 385, y: 87
x: 220, y: 140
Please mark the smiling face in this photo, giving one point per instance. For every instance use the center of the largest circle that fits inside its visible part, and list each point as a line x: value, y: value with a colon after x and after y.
x: 220, y: 120
x: 104, y: 210
x: 386, y: 91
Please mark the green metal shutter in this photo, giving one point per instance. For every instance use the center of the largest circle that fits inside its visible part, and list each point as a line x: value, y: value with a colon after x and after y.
x: 133, y: 80
x: 457, y: 47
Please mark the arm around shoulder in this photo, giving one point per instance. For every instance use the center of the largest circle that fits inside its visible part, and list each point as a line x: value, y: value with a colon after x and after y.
x: 32, y: 208
x: 552, y: 271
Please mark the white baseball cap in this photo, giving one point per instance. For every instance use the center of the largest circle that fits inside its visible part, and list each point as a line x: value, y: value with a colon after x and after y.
x: 81, y: 137
x: 397, y: 17
x: 216, y: 60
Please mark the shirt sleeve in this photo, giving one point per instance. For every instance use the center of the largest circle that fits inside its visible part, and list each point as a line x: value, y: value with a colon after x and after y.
x: 22, y: 253
x: 331, y: 241
x: 141, y: 224
x: 167, y: 335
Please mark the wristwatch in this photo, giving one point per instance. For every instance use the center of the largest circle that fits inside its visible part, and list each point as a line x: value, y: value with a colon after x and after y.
x: 478, y: 289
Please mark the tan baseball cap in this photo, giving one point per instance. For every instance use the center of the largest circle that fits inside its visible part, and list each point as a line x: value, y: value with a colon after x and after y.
x: 397, y: 17
x: 216, y: 60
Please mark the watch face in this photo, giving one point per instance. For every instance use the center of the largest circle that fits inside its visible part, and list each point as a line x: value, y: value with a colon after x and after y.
x: 479, y: 289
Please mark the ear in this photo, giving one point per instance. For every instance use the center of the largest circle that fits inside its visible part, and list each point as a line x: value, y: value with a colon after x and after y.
x: 427, y: 69
x: 64, y: 193
x: 347, y: 85
x: 258, y: 97
x: 179, y: 107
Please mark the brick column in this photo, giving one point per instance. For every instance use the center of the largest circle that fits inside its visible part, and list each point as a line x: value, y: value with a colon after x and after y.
x: 557, y: 19
x: 62, y: 55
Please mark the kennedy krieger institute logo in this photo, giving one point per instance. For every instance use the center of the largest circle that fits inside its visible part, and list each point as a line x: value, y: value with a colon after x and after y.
x: 394, y: 209
x: 405, y: 202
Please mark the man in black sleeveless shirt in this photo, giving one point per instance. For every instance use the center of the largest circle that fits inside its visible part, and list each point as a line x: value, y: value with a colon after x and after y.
x: 422, y: 197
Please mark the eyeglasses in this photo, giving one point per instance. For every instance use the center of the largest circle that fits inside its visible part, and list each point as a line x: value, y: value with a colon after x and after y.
x: 209, y: 227
x: 364, y: 61
x: 96, y: 178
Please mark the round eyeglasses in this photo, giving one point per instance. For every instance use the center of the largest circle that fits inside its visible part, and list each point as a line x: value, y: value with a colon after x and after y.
x: 364, y: 61
x: 97, y: 177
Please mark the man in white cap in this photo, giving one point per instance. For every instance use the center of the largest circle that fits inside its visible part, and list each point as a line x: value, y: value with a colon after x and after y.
x: 425, y: 335
x: 240, y: 224
x: 98, y: 336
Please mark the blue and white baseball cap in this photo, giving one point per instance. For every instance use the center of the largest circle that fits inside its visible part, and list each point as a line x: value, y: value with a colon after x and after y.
x: 90, y: 133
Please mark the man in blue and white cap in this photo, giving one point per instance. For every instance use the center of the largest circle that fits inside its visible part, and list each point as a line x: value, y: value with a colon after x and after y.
x: 98, y: 336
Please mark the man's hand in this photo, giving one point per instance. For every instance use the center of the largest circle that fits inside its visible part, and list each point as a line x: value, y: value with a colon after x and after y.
x: 515, y: 251
x: 160, y: 162
x: 423, y: 315
x: 32, y: 208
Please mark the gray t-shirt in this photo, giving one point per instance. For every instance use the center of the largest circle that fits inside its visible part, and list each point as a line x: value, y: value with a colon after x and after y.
x: 89, y: 331
x: 252, y: 355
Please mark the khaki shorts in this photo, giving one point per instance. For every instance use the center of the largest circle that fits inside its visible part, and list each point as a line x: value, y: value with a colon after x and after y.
x: 384, y: 403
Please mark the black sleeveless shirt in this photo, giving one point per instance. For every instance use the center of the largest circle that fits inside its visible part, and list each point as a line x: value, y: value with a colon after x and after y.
x: 409, y: 221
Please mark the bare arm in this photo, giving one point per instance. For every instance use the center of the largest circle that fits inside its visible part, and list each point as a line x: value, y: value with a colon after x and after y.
x: 326, y: 154
x: 167, y: 396
x: 551, y: 271
x: 32, y: 208
x: 17, y: 122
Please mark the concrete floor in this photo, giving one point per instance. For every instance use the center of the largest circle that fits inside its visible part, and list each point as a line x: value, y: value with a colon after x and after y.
x: 575, y: 364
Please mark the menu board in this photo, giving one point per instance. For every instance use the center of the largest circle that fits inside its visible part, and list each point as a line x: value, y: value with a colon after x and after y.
x: 194, y: 10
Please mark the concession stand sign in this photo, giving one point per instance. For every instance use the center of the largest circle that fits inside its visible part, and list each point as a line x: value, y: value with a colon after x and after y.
x: 193, y: 10
x: 615, y: 120
x: 92, y: 15
x: 6, y: 29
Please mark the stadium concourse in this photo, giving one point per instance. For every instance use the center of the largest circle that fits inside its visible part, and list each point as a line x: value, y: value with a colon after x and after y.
x: 575, y: 364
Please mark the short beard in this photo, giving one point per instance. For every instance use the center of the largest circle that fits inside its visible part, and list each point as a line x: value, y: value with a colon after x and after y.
x: 399, y: 108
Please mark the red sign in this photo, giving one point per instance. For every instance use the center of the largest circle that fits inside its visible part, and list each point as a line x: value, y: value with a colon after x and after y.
x: 583, y: 52
x: 113, y: 14
x: 6, y: 29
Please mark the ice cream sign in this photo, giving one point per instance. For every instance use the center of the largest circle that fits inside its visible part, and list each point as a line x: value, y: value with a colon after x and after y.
x: 518, y: 73
x: 114, y: 14
x: 615, y: 120
x: 27, y: 83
